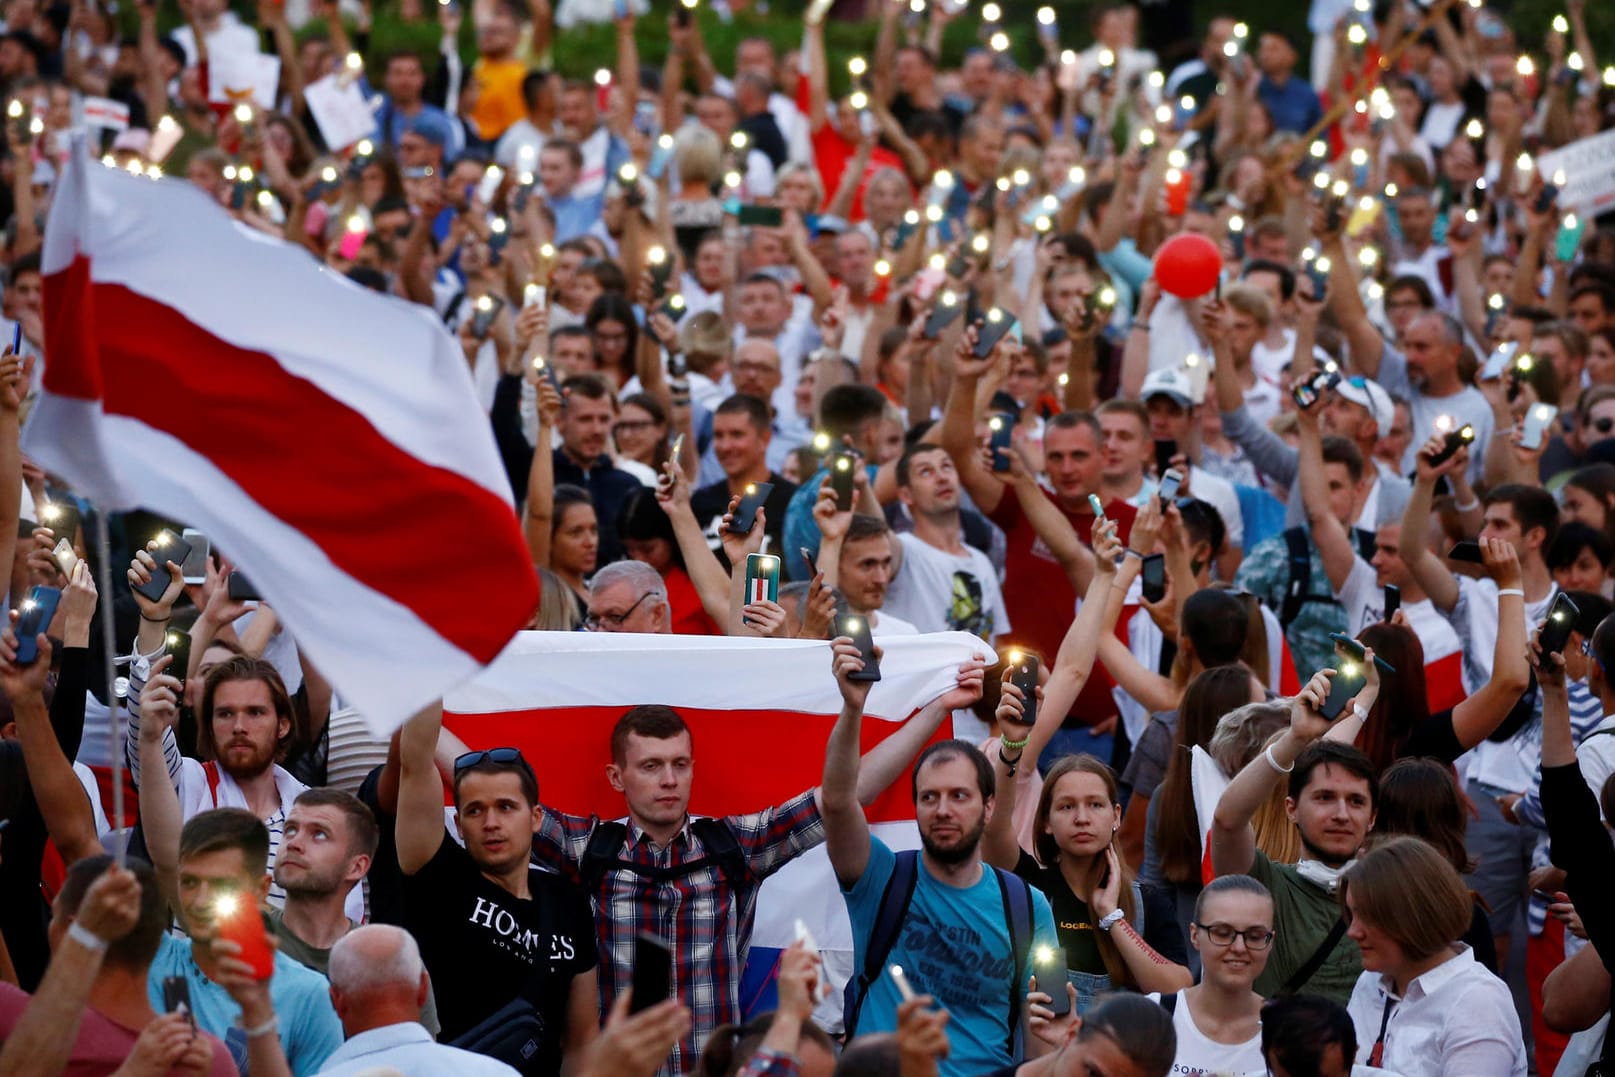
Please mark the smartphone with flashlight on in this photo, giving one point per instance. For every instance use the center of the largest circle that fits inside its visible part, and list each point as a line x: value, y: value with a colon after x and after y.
x: 841, y: 479
x: 1023, y: 675
x: 948, y: 307
x: 1000, y: 428
x: 856, y: 628
x: 1535, y: 427
x: 1556, y: 629
x: 995, y: 326
x: 1344, y: 685
x: 746, y: 512
x: 1049, y: 965
x: 178, y: 644
x: 38, y: 610
x: 762, y: 579
x: 62, y: 517
x: 1455, y: 440
x: 170, y: 547
x: 1171, y: 482
x: 238, y: 919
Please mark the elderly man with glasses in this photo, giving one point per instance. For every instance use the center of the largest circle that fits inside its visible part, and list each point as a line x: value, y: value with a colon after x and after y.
x: 628, y: 596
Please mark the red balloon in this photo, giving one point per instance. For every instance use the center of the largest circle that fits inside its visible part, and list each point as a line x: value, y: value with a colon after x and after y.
x: 1187, y: 265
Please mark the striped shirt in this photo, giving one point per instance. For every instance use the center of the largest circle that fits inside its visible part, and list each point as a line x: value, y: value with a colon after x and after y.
x: 705, y: 920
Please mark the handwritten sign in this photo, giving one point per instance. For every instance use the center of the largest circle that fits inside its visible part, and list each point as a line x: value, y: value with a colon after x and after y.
x: 1588, y: 165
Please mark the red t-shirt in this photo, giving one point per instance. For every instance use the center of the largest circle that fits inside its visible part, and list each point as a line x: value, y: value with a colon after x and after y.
x: 1040, y: 600
x: 831, y: 153
x: 102, y: 1043
x: 684, y: 602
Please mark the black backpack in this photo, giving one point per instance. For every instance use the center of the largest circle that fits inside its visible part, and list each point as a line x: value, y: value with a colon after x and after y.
x: 1299, y: 590
x: 722, y: 849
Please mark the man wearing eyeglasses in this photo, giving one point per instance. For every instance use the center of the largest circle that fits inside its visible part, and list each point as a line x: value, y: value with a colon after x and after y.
x: 517, y: 941
x: 628, y: 596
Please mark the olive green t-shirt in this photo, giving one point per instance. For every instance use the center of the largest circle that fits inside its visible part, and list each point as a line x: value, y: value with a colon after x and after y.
x: 1303, y: 913
x: 320, y: 961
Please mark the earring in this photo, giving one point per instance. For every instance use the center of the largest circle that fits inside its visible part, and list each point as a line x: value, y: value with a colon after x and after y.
x: 1115, y: 826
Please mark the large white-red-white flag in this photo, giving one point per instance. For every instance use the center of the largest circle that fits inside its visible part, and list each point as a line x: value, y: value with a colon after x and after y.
x: 759, y: 711
x: 324, y: 436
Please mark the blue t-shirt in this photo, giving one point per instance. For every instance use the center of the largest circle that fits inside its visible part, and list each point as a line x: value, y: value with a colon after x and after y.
x: 954, y: 945
x: 309, y: 1028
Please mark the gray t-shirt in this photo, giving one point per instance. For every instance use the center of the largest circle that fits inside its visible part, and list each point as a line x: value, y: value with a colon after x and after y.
x: 1467, y: 405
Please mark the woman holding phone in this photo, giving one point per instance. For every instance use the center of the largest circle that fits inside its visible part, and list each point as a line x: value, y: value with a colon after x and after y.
x: 1098, y: 907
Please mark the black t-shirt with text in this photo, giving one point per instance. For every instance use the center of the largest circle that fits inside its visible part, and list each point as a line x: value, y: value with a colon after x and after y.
x: 495, y: 946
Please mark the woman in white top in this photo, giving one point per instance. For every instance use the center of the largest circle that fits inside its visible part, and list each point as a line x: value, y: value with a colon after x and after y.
x: 1218, y: 1021
x: 1423, y: 1006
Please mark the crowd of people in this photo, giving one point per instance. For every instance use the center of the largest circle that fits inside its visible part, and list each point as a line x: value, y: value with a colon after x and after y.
x: 1288, y: 747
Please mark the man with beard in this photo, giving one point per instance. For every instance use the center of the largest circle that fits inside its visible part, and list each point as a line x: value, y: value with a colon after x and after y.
x: 1333, y: 790
x: 855, y: 556
x: 963, y: 931
x: 243, y: 723
x: 939, y: 583
x: 482, y: 914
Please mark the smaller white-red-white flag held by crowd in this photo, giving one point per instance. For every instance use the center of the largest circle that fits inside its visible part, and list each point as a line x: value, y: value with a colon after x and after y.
x: 325, y: 437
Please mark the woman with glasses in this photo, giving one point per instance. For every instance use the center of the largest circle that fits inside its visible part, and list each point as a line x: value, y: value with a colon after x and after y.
x: 640, y: 434
x: 1219, y: 1020
x: 1423, y: 1007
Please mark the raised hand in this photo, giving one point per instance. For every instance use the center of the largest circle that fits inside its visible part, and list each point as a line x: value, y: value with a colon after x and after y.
x: 142, y: 570
x: 1306, y: 723
x: 845, y: 660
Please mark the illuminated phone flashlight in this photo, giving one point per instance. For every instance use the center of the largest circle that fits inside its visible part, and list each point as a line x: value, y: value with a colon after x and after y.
x: 243, y: 114
x: 29, y: 604
x: 1045, y: 16
x: 883, y: 268
x: 1042, y: 222
x: 857, y: 66
x: 1064, y: 380
x: 364, y: 148
x: 1524, y: 363
x: 1474, y: 129
x: 991, y: 13
x: 497, y: 226
x: 691, y: 5
x: 36, y: 126
x: 1177, y: 159
x: 230, y: 173
x: 1348, y: 669
x: 656, y: 256
x: 1043, y: 951
x: 328, y: 174
x: 1236, y: 223
x: 1560, y: 615
x: 1495, y: 302
x: 602, y: 77
x: 1443, y: 424
x: 1368, y: 257
x: 1146, y: 138
x: 739, y: 140
x: 939, y: 262
x: 1609, y: 76
x: 1321, y: 182
x: 245, y: 174
x: 225, y: 906
x: 1106, y: 298
x: 1561, y: 25
x: 14, y: 110
x: 1356, y: 34
x: 1155, y: 79
x: 998, y: 42
x: 843, y: 463
x: 980, y: 242
x: 1044, y: 954
x: 821, y: 442
x: 675, y: 302
x: 1309, y: 253
x: 917, y: 6
x: 858, y: 100
x: 532, y: 295
x: 1391, y: 190
x: 1230, y: 49
x: 484, y: 304
x: 627, y: 174
x: 1524, y: 66
x: 995, y: 424
x: 1241, y: 31
x: 354, y: 62
x: 1544, y: 412
x: 1107, y: 58
x: 547, y: 251
x: 1340, y: 189
x: 731, y: 180
x: 265, y: 199
x: 1559, y: 177
x: 1575, y: 62
x: 1321, y: 264
x: 995, y: 315
x: 1163, y: 114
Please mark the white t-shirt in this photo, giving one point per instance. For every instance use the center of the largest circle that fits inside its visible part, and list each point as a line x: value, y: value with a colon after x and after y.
x: 1509, y: 765
x: 884, y: 624
x: 1269, y: 363
x: 1218, y: 492
x: 936, y: 591
x: 1200, y: 1056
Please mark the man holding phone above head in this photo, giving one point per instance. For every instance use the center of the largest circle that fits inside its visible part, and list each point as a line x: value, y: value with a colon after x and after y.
x: 709, y: 870
x: 1174, y: 427
x: 1506, y: 763
x: 483, y: 914
x: 961, y: 931
x: 560, y: 165
x: 1333, y: 790
x: 855, y: 557
x: 1037, y: 593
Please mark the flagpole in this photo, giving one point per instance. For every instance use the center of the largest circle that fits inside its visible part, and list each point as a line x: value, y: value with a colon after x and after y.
x: 103, y: 550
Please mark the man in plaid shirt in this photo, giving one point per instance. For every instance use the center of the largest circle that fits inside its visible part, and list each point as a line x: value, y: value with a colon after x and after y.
x: 662, y: 877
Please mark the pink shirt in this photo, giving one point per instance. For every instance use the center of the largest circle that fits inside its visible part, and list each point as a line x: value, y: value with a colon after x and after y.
x: 102, y: 1044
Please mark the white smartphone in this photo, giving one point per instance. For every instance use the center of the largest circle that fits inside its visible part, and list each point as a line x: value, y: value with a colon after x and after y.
x: 1498, y: 361
x: 1537, y: 422
x: 194, y: 570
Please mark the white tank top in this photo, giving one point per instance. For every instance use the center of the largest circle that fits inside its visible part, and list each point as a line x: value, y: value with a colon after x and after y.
x: 1199, y: 1056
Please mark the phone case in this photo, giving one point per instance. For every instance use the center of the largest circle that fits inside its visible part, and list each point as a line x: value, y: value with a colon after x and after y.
x: 746, y: 514
x: 762, y: 578
x: 1393, y: 600
x: 1153, y: 577
x: 992, y: 331
x: 1537, y: 421
x: 170, y: 547
x: 1171, y: 482
x: 1002, y: 428
x: 856, y: 628
x: 1466, y: 551
x: 1165, y: 450
x: 194, y: 568
x: 178, y: 644
x: 241, y: 589
x: 942, y: 315
x: 1343, y: 687
x: 1024, y: 677
x: 61, y: 517
x: 1050, y: 967
x: 243, y: 925
x: 761, y: 216
x: 653, y: 971
x: 37, y: 612
x: 1557, y: 627
x: 841, y: 480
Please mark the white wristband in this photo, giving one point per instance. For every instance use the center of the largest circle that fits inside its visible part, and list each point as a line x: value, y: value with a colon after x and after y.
x: 1358, y: 712
x: 264, y: 1029
x: 1110, y: 920
x: 1274, y: 763
x: 86, y: 938
x: 1470, y: 507
x: 1510, y: 591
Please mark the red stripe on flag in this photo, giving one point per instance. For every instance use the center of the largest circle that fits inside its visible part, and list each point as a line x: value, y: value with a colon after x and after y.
x: 380, y: 514
x: 69, y: 333
x: 745, y: 759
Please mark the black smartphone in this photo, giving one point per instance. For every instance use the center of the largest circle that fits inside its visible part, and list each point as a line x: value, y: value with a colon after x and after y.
x: 1456, y: 439
x: 674, y: 307
x: 177, y: 997
x: 62, y: 517
x: 1466, y: 551
x: 1000, y: 428
x: 1310, y: 391
x: 660, y: 273
x: 1344, y: 686
x: 1356, y: 652
x: 1546, y: 198
x: 240, y: 588
x: 546, y: 370
x: 856, y: 628
x: 1023, y: 675
x: 992, y: 329
x: 1153, y: 577
x: 1049, y: 964
x: 1165, y: 450
x: 750, y: 502
x: 948, y: 307
x: 653, y: 971
x: 1171, y: 482
x: 1393, y: 600
x: 170, y: 547
x: 38, y: 609
x: 178, y: 644
x: 841, y: 479
x: 1556, y: 629
x: 764, y: 216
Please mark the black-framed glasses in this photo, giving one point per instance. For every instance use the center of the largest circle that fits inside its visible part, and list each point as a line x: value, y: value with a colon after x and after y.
x: 615, y: 620
x: 1256, y: 938
x: 488, y: 755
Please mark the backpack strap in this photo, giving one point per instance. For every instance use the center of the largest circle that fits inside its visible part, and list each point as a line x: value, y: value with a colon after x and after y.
x: 1017, y: 897
x: 210, y: 770
x: 1169, y: 1003
x: 721, y: 845
x: 1366, y: 546
x: 600, y: 855
x: 889, y: 916
x: 1299, y: 979
x: 1299, y: 591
